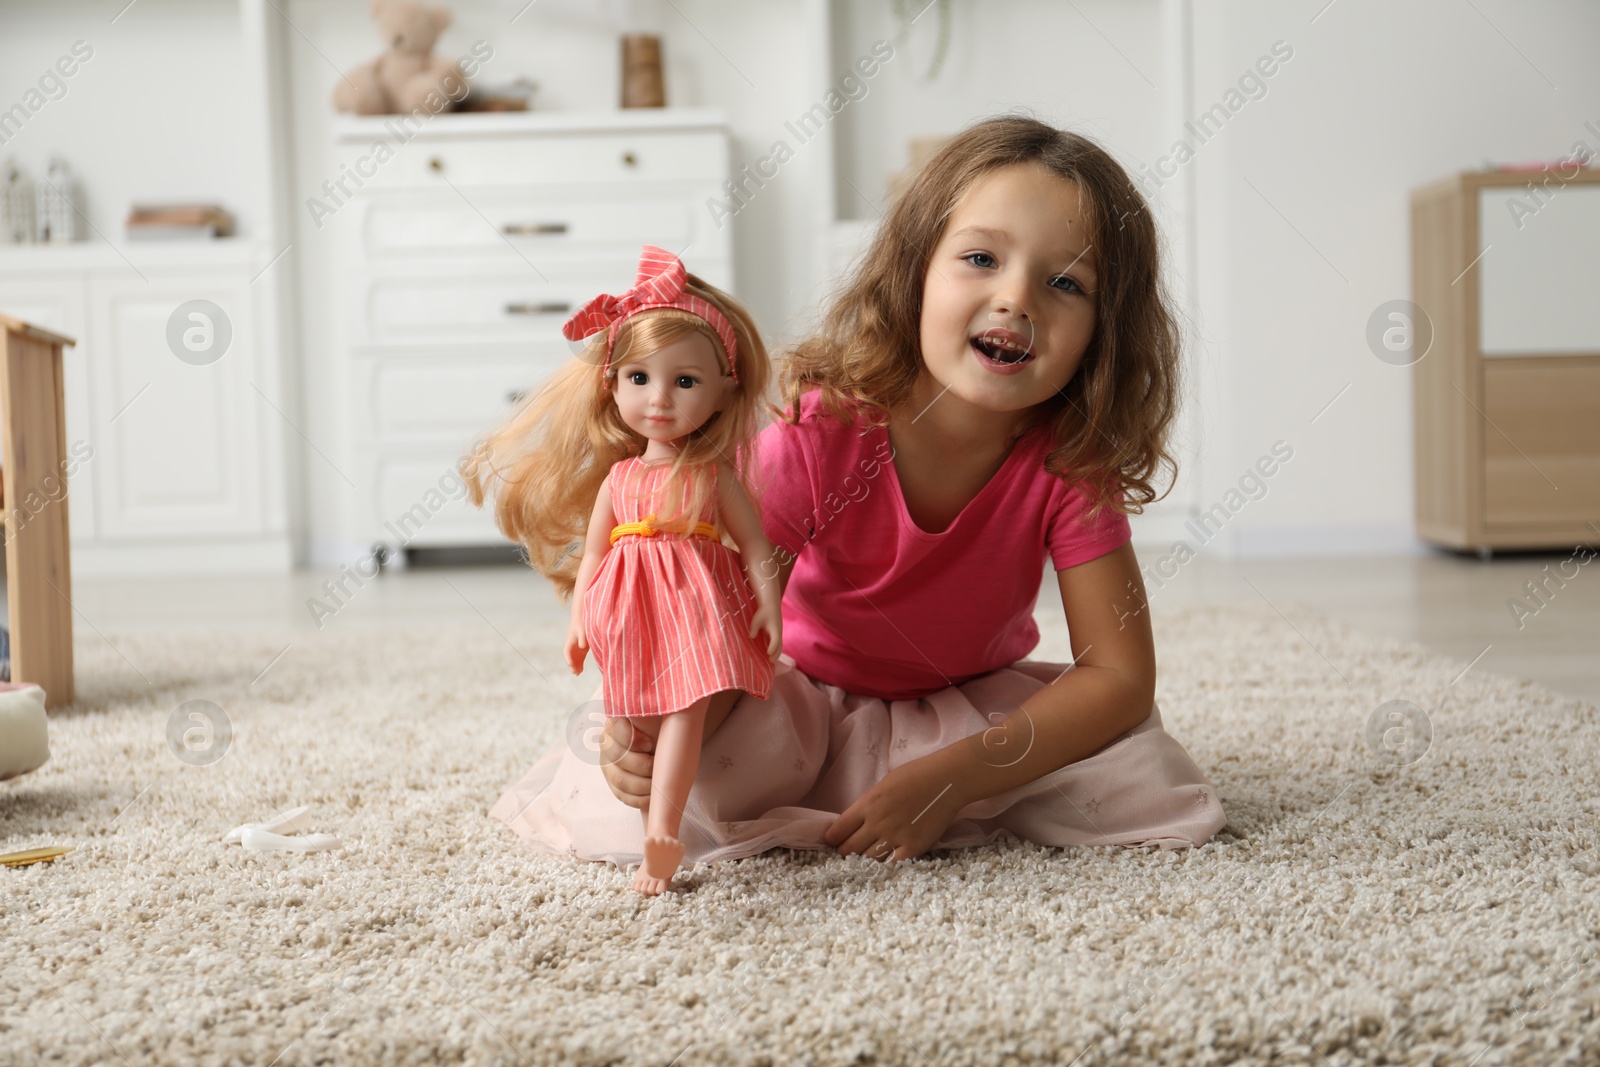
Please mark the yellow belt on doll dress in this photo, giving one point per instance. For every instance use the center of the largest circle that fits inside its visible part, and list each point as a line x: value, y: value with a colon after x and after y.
x: 649, y: 527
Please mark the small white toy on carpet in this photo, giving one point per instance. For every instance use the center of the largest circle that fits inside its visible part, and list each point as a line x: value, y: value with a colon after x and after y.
x: 24, y: 729
x: 266, y: 836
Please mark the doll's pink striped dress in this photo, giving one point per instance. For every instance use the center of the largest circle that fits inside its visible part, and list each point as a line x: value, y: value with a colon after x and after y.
x: 668, y: 617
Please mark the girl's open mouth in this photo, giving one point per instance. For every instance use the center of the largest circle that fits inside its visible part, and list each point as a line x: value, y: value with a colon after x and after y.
x: 1001, y: 350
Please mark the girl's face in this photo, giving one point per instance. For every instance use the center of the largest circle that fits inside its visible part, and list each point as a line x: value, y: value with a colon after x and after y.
x: 674, y: 390
x: 1008, y: 304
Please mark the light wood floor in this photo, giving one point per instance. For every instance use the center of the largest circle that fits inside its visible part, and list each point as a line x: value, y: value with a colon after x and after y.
x: 1454, y: 605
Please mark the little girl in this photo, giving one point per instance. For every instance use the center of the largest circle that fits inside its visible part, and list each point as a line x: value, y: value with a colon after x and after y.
x: 638, y: 448
x: 993, y: 387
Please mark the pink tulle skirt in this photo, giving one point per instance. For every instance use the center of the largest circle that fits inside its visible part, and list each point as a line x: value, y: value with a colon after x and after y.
x: 780, y: 770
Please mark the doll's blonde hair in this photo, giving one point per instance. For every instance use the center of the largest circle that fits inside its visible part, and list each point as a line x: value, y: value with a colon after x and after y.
x: 545, y: 465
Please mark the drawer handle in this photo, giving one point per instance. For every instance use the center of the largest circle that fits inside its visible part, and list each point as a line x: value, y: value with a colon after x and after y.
x: 522, y: 229
x: 515, y: 396
x: 629, y: 159
x: 435, y: 164
x: 549, y: 307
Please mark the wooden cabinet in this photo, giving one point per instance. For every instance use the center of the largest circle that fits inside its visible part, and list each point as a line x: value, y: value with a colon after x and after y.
x: 468, y: 251
x: 33, y: 432
x: 60, y: 305
x: 1506, y: 268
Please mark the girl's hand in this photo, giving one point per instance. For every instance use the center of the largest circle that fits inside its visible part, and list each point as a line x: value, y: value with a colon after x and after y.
x: 909, y: 810
x: 577, y: 645
x: 627, y: 759
x: 769, y: 617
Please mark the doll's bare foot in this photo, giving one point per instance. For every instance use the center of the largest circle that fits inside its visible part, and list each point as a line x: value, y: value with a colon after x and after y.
x: 661, y: 856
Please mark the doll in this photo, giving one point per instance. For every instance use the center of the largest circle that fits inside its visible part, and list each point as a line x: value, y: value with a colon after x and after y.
x: 626, y: 471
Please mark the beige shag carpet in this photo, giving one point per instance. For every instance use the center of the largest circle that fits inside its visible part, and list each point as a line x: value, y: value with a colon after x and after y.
x: 1355, y: 910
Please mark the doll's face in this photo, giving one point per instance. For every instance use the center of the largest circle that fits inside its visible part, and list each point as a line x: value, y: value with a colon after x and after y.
x: 674, y: 390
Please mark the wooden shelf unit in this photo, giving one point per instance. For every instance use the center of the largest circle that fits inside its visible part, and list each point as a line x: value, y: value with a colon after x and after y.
x: 1507, y: 400
x: 38, y: 556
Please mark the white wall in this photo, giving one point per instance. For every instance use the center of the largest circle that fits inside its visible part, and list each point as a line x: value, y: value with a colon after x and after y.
x: 1043, y: 56
x: 153, y: 114
x: 1303, y: 226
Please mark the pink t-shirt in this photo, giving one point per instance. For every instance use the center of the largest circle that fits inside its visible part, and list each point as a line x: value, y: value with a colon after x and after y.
x: 880, y: 607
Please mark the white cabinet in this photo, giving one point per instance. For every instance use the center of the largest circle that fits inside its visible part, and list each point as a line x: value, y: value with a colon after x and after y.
x: 187, y: 453
x: 468, y: 250
x: 178, y: 446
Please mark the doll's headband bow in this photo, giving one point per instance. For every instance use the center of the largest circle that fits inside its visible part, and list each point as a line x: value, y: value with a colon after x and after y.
x: 660, y: 284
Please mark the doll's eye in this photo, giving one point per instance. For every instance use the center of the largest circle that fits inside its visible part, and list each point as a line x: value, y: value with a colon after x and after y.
x: 638, y: 377
x: 687, y: 381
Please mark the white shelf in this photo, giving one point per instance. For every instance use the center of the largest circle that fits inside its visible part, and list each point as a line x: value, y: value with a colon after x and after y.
x: 92, y: 255
x: 511, y: 123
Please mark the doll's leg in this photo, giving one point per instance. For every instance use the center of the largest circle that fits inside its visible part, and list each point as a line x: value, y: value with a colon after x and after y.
x: 677, y: 758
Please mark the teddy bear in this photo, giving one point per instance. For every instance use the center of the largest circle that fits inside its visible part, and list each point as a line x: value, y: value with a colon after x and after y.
x: 402, y: 79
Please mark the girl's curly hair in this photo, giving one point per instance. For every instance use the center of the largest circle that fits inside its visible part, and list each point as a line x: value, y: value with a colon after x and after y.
x: 1110, y: 425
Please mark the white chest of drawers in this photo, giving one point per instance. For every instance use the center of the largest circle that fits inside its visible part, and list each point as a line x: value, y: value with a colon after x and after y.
x: 471, y: 244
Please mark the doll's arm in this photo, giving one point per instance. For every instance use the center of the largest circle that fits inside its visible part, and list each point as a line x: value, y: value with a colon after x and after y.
x: 597, y: 542
x: 761, y: 559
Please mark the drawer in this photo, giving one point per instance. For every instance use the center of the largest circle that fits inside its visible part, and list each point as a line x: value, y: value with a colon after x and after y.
x: 421, y: 398
x: 503, y: 304
x: 421, y: 501
x: 536, y: 224
x: 511, y: 303
x: 565, y: 159
x: 1541, y: 444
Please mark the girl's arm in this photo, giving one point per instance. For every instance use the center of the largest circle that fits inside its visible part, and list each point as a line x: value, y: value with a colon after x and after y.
x: 761, y: 559
x: 1109, y: 691
x: 597, y: 542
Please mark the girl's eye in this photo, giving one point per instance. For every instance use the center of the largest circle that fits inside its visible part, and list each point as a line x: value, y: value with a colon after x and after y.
x: 984, y: 261
x: 638, y: 377
x: 687, y: 381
